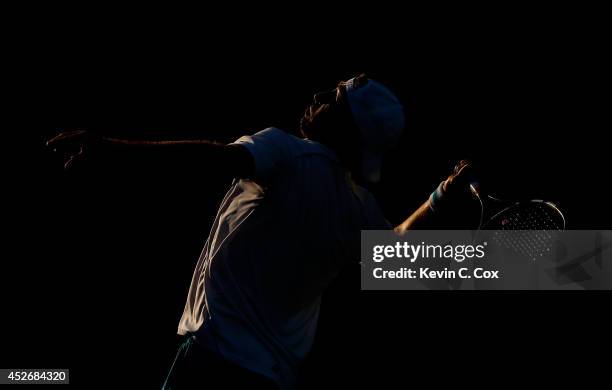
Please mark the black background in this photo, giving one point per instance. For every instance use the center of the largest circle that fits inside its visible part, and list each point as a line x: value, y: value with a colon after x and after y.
x: 98, y: 261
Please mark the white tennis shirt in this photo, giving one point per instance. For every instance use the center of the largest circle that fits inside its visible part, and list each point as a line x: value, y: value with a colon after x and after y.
x: 276, y: 243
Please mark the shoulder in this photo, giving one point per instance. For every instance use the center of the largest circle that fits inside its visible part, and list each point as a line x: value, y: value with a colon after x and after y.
x: 270, y: 138
x: 282, y: 144
x: 271, y: 149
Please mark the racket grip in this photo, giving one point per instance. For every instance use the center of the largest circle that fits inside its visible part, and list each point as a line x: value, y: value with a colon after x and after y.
x: 475, y: 188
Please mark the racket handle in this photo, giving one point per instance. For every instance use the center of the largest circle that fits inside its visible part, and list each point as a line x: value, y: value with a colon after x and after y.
x: 475, y: 188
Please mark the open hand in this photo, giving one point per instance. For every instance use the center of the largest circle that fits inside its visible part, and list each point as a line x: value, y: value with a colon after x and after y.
x: 460, y: 180
x: 74, y: 145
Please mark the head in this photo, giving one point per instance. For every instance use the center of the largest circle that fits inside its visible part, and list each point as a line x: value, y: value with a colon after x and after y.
x: 360, y: 120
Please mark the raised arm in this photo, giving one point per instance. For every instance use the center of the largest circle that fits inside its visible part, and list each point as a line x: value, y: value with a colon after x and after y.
x: 76, y: 145
x: 440, y: 204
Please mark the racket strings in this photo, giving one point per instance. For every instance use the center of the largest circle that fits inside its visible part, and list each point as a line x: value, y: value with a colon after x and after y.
x: 528, y: 229
x: 531, y: 216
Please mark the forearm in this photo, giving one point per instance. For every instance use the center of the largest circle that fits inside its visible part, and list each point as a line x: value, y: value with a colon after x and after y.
x: 232, y: 159
x: 426, y: 215
x: 157, y: 145
x: 421, y: 218
x: 447, y: 207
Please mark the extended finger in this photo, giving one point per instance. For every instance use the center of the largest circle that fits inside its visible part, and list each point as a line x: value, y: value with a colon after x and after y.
x: 463, y: 168
x: 64, y: 136
x: 74, y: 158
x: 461, y: 165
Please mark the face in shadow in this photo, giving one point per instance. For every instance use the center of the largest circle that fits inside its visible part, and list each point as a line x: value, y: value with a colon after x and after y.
x: 329, y: 121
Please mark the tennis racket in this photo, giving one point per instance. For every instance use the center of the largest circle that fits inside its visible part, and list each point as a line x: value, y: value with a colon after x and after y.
x: 527, y: 227
x: 535, y: 214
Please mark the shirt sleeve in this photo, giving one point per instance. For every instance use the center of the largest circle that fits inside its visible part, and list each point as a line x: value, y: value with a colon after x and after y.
x: 270, y: 148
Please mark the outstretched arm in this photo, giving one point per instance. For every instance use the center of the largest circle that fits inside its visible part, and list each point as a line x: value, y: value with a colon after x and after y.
x: 416, y: 220
x: 449, y: 191
x: 76, y: 145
